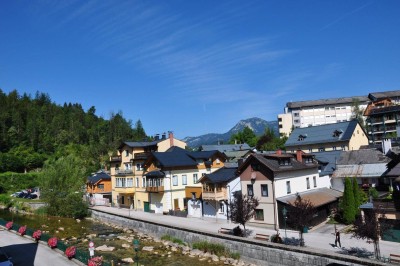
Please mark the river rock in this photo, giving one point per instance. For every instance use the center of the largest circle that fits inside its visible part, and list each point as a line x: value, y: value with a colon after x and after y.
x: 174, y: 249
x: 127, y: 260
x: 78, y: 221
x: 105, y: 248
x: 215, y: 258
x: 148, y: 248
x: 126, y: 246
x: 196, y: 252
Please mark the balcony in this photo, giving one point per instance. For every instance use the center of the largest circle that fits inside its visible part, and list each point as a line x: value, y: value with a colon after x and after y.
x: 141, y: 155
x: 123, y: 172
x: 115, y: 159
x: 211, y: 195
x: 159, y: 189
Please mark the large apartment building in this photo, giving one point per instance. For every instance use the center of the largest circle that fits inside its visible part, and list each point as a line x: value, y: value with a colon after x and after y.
x: 327, y: 111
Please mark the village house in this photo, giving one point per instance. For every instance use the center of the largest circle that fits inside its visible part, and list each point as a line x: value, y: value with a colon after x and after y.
x: 98, y: 188
x: 347, y: 135
x: 128, y: 182
x: 276, y: 180
x: 172, y: 178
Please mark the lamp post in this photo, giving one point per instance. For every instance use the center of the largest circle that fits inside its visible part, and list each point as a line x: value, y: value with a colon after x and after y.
x: 284, y: 212
x: 136, y: 245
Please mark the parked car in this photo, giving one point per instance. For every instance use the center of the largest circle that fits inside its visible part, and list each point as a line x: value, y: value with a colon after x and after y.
x: 4, y: 259
x: 16, y: 194
x: 31, y: 196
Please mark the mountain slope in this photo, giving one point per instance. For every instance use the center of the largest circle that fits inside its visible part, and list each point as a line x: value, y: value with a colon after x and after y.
x: 258, y: 125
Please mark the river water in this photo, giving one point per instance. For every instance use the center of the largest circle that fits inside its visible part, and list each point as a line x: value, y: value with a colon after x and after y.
x: 78, y: 233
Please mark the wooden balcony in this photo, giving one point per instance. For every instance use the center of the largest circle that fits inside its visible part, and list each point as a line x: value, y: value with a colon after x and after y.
x: 124, y: 172
x: 211, y: 195
x: 159, y: 189
x: 115, y: 159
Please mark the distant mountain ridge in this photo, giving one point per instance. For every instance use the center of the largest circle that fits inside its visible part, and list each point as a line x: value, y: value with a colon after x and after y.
x: 258, y: 125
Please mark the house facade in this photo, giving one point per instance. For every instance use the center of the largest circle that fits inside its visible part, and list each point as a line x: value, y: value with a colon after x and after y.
x: 275, y: 178
x: 347, y: 135
x: 99, y: 188
x: 128, y: 181
x: 172, y: 177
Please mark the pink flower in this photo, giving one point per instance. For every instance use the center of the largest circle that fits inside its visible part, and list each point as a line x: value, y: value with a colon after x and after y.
x: 9, y: 225
x: 22, y: 230
x: 36, y: 235
x: 70, y: 252
x: 95, y: 261
x: 52, y: 242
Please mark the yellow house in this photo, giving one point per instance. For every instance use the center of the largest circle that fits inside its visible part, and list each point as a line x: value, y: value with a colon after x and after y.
x: 172, y: 176
x: 128, y: 182
x: 347, y: 135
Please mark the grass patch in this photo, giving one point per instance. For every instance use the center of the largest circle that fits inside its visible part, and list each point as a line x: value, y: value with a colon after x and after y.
x: 217, y: 249
x: 173, y: 240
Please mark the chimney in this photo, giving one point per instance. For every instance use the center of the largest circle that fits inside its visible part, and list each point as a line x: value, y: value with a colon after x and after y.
x: 171, y: 138
x: 163, y: 136
x: 157, y: 137
x: 299, y: 155
x: 386, y: 146
x: 279, y: 152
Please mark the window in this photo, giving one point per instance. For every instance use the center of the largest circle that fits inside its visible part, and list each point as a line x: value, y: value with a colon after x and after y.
x: 126, y: 153
x: 308, y: 182
x: 321, y: 149
x: 139, y: 167
x: 264, y: 190
x: 184, y: 180
x: 296, y: 114
x: 217, y: 161
x: 259, y: 215
x: 221, y: 207
x: 195, y: 178
x: 150, y: 182
x: 120, y: 182
x: 100, y: 186
x: 129, y: 182
x: 315, y: 181
x: 308, y: 159
x: 137, y: 181
x: 288, y: 187
x: 175, y: 180
x: 250, y: 190
x: 143, y: 182
x: 334, y: 148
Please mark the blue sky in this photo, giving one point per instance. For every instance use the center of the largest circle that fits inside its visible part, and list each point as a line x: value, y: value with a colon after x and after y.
x: 197, y: 67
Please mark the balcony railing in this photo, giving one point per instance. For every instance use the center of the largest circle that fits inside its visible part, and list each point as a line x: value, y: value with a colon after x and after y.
x: 123, y: 171
x: 115, y: 159
x: 155, y: 189
x: 211, y: 195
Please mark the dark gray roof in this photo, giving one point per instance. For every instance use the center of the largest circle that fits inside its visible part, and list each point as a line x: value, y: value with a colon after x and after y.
x: 136, y: 144
x: 202, y: 154
x: 364, y: 156
x: 375, y: 96
x: 330, y: 101
x: 321, y: 134
x: 222, y: 175
x: 101, y: 175
x: 155, y: 173
x: 225, y: 147
x: 327, y: 161
x: 318, y: 197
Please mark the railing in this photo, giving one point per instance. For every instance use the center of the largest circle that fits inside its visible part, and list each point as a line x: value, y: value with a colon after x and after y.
x: 123, y: 171
x: 155, y: 189
x: 115, y: 159
x: 81, y: 255
x: 211, y: 195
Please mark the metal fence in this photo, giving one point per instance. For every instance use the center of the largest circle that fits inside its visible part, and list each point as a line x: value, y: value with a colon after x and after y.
x: 81, y: 255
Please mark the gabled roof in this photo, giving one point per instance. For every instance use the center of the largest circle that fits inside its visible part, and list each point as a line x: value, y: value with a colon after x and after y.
x: 375, y: 96
x: 330, y: 101
x: 226, y: 147
x: 139, y: 144
x: 101, y: 175
x: 318, y: 197
x: 322, y: 134
x: 364, y: 156
x: 222, y: 175
x: 269, y: 164
x: 327, y: 161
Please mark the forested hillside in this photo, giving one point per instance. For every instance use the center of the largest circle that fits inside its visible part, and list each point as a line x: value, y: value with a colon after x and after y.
x: 33, y: 129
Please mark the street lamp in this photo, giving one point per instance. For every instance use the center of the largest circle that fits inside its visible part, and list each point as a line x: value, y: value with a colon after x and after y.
x: 136, y: 245
x: 284, y: 212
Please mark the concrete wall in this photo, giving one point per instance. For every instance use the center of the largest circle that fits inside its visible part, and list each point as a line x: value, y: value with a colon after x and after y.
x: 254, y: 251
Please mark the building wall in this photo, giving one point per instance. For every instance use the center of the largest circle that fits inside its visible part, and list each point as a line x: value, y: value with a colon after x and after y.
x: 358, y: 139
x: 285, y: 122
x: 95, y: 189
x: 164, y: 145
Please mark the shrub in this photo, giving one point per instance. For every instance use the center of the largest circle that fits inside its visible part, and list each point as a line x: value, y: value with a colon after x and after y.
x: 5, y: 200
x: 173, y: 239
x: 52, y: 242
x: 70, y: 252
x: 95, y: 261
x: 214, y: 248
x: 9, y: 225
x: 22, y: 230
x: 37, y: 235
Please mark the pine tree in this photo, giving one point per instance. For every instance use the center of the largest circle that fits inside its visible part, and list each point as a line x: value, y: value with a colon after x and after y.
x: 348, y: 202
x: 357, y: 196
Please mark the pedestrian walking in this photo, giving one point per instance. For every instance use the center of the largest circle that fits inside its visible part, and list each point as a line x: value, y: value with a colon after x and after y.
x: 337, y: 238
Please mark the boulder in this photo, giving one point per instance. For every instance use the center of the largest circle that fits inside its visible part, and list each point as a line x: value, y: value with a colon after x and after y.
x: 148, y: 248
x: 105, y: 248
x: 126, y: 246
x: 127, y: 260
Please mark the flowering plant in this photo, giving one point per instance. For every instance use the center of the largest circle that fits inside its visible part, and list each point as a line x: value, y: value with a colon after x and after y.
x: 9, y: 225
x: 36, y: 235
x: 95, y: 261
x: 70, y: 252
x: 22, y: 230
x: 52, y: 242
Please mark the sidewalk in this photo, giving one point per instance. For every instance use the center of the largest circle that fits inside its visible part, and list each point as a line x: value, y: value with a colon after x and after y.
x: 320, y: 238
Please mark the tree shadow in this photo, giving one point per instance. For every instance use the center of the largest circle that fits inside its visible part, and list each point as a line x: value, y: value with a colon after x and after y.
x: 358, y: 252
x: 291, y: 241
x: 22, y: 254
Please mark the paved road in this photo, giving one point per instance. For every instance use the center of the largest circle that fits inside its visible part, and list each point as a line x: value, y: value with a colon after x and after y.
x: 321, y: 237
x: 25, y: 252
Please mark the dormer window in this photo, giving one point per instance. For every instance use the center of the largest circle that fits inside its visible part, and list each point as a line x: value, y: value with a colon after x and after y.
x: 284, y: 162
x: 302, y: 137
x: 337, y: 133
x: 308, y: 159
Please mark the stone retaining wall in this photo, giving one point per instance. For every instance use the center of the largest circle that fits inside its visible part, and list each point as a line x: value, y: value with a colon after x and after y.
x: 254, y: 251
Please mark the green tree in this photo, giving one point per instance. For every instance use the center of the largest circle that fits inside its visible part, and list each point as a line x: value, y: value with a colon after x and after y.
x: 357, y: 195
x: 61, y: 185
x: 357, y: 112
x: 245, y: 136
x: 270, y: 142
x: 242, y: 209
x: 348, y: 204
